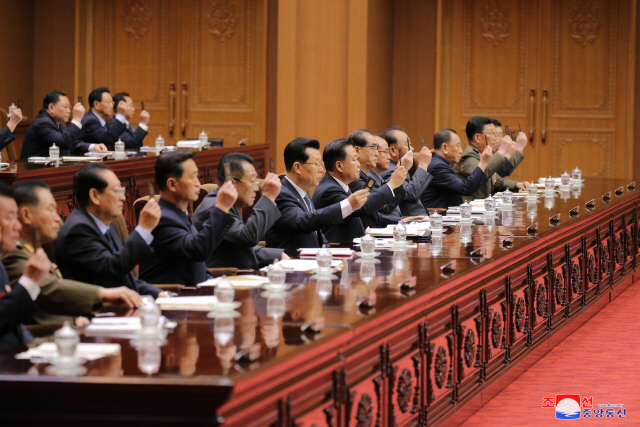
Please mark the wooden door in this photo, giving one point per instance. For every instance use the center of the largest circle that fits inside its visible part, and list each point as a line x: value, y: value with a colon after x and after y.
x: 222, y: 70
x: 584, y: 63
x: 135, y: 50
x: 559, y: 69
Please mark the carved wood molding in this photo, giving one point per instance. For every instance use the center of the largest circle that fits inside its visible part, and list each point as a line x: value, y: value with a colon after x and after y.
x: 560, y: 107
x: 495, y: 22
x: 223, y: 19
x: 601, y: 137
x: 584, y: 22
x: 136, y: 18
x: 471, y: 105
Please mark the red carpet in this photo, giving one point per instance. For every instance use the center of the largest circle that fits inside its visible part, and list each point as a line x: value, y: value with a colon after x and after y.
x: 599, y: 360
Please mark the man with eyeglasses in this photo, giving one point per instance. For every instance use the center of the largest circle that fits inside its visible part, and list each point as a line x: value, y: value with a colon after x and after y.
x: 364, y: 142
x: 481, y: 132
x: 94, y: 123
x: 300, y: 222
x: 239, y: 247
x: 414, y: 186
x: 517, y: 148
x: 132, y: 138
x: 88, y: 247
x: 341, y: 161
x: 49, y: 127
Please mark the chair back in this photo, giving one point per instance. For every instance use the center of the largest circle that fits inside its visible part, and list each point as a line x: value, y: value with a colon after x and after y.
x: 121, y: 227
x: 138, y: 205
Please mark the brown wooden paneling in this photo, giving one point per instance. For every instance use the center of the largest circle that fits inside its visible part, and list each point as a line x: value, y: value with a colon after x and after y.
x: 414, y: 67
x: 16, y: 39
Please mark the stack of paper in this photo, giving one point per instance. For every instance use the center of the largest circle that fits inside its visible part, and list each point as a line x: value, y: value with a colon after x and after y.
x: 244, y: 281
x: 302, y: 264
x: 386, y: 244
x: 89, y: 351
x: 197, y: 303
x: 413, y: 229
x: 97, y: 154
x: 121, y: 325
x: 336, y: 252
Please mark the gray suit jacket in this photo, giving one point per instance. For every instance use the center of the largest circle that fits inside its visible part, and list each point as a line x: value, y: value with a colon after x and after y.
x: 413, y: 188
x: 239, y: 247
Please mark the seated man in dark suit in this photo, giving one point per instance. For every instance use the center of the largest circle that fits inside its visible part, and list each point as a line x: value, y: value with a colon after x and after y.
x: 94, y: 123
x: 6, y: 133
x: 89, y: 249
x: 49, y: 128
x: 240, y: 245
x: 299, y: 225
x: 446, y: 189
x: 17, y: 304
x: 364, y: 142
x: 180, y: 251
x: 341, y: 161
x: 395, y: 138
x: 38, y: 208
x: 131, y: 138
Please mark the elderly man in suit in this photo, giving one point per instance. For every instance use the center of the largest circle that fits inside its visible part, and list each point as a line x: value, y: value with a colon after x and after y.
x: 49, y: 128
x: 179, y: 249
x: 518, y: 156
x: 395, y: 137
x: 446, y: 189
x: 240, y: 248
x: 341, y: 161
x: 94, y: 123
x: 300, y: 224
x: 481, y: 132
x: 6, y: 133
x: 38, y: 209
x: 365, y: 144
x: 132, y: 138
x: 89, y: 249
x: 17, y: 304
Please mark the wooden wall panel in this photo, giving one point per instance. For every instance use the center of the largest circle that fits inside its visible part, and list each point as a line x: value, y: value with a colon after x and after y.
x: 16, y: 39
x: 53, y: 49
x: 414, y: 67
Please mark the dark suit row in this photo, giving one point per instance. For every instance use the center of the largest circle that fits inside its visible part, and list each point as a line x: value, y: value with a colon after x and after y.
x: 44, y: 132
x: 299, y: 227
x: 384, y: 215
x: 329, y: 192
x: 413, y: 186
x: 240, y: 248
x: 446, y: 189
x: 6, y: 137
x: 131, y: 138
x: 86, y: 255
x: 179, y: 250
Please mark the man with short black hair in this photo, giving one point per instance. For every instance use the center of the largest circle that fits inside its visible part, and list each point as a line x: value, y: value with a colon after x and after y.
x: 94, y: 123
x: 300, y: 223
x: 341, y: 161
x: 132, y: 138
x: 481, y: 132
x: 17, y: 304
x: 240, y: 248
x: 521, y: 141
x: 414, y: 186
x: 89, y: 249
x: 446, y: 189
x: 59, y: 298
x: 179, y: 249
x: 49, y: 128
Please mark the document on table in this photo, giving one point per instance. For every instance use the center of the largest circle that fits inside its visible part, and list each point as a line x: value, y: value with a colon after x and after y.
x: 385, y: 243
x: 121, y: 325
x: 245, y: 281
x: 336, y: 252
x: 196, y: 303
x: 89, y: 351
x: 302, y: 264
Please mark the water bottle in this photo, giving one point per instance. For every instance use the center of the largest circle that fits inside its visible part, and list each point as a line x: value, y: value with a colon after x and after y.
x: 324, y: 258
x: 224, y: 291
x: 67, y: 340
x: 159, y: 143
x: 204, y: 138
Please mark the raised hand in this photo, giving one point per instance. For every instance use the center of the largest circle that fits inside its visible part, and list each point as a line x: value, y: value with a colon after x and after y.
x: 424, y: 158
x: 37, y: 266
x: 485, y: 157
x: 407, y: 159
x: 78, y: 112
x: 15, y: 118
x: 227, y: 196
x: 271, y: 186
x: 358, y: 199
x: 150, y: 215
x: 398, y: 176
x: 521, y: 141
x: 144, y: 117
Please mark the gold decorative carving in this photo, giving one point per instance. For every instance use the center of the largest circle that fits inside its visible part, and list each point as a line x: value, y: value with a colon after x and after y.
x: 136, y: 18
x: 517, y: 106
x: 223, y: 19
x: 495, y: 22
x: 584, y: 22
x: 559, y: 106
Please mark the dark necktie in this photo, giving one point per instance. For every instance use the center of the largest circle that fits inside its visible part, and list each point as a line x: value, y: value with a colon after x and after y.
x: 309, y: 203
x: 104, y: 126
x: 114, y: 247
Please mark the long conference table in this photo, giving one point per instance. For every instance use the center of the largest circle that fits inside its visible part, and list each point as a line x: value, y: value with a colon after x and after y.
x: 489, y: 300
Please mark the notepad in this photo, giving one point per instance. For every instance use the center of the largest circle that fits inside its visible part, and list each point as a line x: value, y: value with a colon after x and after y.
x: 302, y: 264
x: 336, y: 252
x: 195, y: 303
